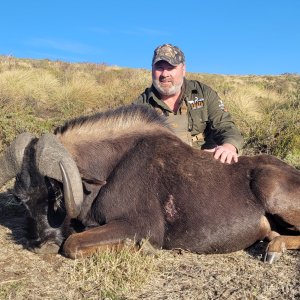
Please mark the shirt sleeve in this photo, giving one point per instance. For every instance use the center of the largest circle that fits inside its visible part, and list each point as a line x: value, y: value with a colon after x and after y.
x: 220, y: 121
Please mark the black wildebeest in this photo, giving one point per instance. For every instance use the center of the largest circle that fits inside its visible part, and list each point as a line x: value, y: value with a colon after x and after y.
x: 123, y: 174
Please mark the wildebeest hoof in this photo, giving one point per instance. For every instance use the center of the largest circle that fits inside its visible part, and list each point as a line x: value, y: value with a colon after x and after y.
x: 271, y: 257
x: 47, y: 248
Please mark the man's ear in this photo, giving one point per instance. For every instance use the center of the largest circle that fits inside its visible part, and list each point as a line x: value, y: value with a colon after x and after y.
x: 183, y: 70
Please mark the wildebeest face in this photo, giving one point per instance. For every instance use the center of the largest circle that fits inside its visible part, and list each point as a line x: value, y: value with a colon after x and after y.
x: 43, y: 200
x: 44, y: 171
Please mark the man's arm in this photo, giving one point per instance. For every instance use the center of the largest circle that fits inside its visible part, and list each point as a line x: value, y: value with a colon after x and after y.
x: 225, y: 132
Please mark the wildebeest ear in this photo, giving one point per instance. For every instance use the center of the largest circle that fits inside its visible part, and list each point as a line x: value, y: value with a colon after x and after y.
x: 91, y: 188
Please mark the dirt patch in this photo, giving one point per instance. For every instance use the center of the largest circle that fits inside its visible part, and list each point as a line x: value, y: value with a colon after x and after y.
x: 240, y: 275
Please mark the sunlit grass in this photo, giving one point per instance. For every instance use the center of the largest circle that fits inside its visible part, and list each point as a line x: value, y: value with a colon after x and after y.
x: 111, y: 274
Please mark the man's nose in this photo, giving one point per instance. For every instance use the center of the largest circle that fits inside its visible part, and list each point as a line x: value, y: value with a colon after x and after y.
x: 165, y: 72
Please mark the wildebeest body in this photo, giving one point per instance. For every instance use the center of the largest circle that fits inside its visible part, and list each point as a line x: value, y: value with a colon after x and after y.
x: 141, y: 181
x: 211, y: 210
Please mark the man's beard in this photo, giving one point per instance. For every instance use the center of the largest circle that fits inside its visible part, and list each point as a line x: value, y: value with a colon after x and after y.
x: 167, y: 91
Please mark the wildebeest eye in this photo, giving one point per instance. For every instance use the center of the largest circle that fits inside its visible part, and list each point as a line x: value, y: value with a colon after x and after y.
x: 56, y: 215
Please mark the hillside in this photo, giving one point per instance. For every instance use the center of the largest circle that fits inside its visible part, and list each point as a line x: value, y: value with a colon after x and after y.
x: 36, y: 95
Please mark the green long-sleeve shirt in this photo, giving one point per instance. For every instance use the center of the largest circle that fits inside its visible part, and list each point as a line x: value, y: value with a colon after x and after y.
x: 206, y: 114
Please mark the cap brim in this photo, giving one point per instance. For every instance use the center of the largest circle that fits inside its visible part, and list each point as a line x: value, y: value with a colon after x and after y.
x: 168, y: 60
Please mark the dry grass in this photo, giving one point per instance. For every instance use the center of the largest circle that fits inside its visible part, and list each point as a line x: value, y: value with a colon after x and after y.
x: 111, y: 275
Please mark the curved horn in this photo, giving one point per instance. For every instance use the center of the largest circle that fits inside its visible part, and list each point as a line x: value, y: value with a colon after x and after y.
x: 50, y: 154
x: 12, y: 157
x: 71, y: 207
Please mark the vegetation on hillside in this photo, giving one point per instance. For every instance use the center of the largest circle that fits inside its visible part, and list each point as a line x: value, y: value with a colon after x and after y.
x: 37, y: 95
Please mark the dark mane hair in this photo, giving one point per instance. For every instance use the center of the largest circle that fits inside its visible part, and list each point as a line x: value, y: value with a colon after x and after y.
x: 134, y: 113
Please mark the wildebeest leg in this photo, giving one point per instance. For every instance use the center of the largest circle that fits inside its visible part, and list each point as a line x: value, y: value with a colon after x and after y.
x: 278, y: 187
x: 112, y: 236
x: 279, y: 244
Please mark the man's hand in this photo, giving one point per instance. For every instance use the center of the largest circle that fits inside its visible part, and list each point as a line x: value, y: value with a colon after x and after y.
x: 226, y: 153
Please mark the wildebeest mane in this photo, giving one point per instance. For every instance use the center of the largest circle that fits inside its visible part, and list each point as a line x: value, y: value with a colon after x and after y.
x: 122, y: 118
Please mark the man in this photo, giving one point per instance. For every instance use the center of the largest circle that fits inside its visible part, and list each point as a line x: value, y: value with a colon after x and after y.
x: 195, y: 111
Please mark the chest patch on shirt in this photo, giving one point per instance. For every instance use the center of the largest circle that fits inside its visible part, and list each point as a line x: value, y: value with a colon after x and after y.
x: 159, y: 111
x: 196, y: 102
x: 222, y: 105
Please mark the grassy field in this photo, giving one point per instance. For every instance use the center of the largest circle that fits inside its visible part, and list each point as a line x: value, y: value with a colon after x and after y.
x: 37, y: 95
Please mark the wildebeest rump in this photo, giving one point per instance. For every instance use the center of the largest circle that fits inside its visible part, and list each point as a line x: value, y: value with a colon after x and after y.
x: 121, y: 174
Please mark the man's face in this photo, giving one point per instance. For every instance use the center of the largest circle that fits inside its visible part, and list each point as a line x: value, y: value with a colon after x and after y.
x: 167, y: 79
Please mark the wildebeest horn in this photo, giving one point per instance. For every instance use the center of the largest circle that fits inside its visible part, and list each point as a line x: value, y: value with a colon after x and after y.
x: 71, y: 207
x: 50, y: 155
x: 12, y: 157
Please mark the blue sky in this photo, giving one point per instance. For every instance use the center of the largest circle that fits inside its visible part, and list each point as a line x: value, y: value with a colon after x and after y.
x: 217, y: 36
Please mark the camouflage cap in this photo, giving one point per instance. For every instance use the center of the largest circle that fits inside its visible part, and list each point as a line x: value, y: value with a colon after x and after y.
x: 172, y: 54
